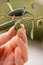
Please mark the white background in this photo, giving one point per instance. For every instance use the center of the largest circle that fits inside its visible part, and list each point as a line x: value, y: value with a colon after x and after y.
x: 35, y: 53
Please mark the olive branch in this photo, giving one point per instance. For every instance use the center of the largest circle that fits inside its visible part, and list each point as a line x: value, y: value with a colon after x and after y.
x: 11, y: 23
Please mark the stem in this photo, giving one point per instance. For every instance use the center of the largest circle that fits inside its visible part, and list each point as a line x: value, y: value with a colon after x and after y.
x: 32, y: 34
x: 9, y: 5
x: 10, y: 23
x: 31, y: 18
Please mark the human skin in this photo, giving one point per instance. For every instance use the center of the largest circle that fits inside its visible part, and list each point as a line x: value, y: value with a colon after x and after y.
x: 13, y: 49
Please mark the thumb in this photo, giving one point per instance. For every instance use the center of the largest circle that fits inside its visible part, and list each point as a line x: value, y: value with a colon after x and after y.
x: 7, y: 35
x: 12, y: 31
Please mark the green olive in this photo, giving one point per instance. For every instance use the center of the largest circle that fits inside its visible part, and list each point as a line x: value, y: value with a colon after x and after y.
x: 17, y: 25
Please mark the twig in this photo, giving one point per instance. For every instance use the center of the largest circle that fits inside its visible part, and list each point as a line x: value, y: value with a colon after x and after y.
x: 10, y: 23
x: 31, y: 18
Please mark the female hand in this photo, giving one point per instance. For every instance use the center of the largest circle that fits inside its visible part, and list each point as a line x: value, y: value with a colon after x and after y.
x: 14, y: 49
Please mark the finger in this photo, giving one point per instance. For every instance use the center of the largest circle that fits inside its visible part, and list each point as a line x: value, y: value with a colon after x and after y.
x: 7, y: 36
x: 22, y: 26
x: 23, y: 47
x: 12, y: 31
x: 1, y: 51
x: 22, y: 35
x: 8, y: 47
x: 9, y: 59
x: 12, y: 44
x: 18, y: 59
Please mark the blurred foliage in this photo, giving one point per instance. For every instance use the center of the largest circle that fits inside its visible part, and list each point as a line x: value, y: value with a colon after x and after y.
x: 4, y: 9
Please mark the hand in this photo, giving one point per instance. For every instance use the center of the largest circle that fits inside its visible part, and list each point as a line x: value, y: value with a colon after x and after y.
x: 14, y: 51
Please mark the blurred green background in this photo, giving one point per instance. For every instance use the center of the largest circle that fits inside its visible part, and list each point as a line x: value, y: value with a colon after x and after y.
x: 38, y: 11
